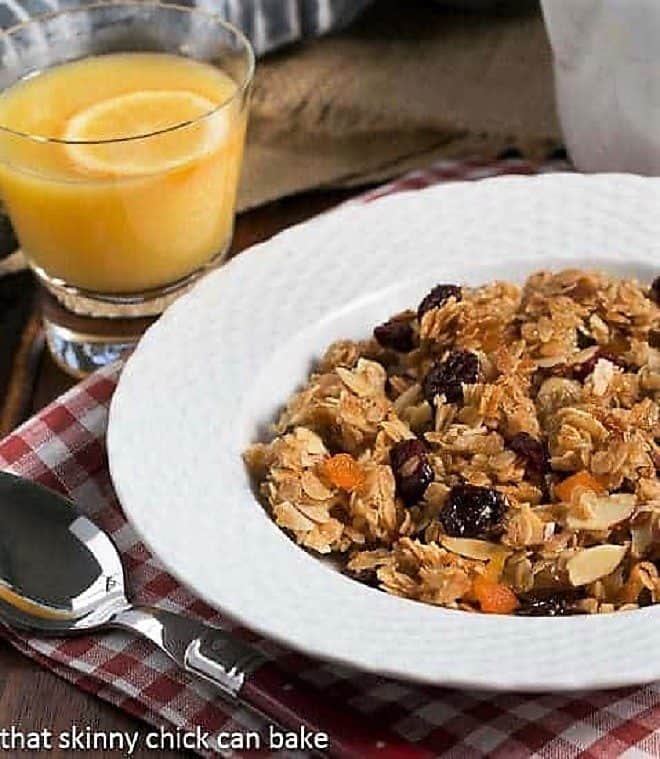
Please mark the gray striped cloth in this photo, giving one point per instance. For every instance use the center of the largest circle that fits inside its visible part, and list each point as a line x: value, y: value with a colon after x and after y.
x: 269, y: 24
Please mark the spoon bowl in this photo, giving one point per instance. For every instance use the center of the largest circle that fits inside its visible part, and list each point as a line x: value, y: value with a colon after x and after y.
x: 58, y: 572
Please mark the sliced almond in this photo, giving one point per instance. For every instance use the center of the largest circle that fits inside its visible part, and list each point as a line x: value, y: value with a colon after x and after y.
x: 565, y: 358
x: 408, y: 397
x: 591, y: 564
x: 313, y: 487
x: 584, y: 355
x: 547, y: 363
x: 397, y: 430
x: 287, y: 516
x: 318, y: 514
x: 311, y: 444
x: 354, y: 382
x: 604, y: 511
x: 472, y: 548
x: 602, y: 376
x: 368, y: 378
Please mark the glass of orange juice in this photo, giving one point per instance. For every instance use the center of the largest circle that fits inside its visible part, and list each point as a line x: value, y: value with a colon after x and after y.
x: 122, y: 128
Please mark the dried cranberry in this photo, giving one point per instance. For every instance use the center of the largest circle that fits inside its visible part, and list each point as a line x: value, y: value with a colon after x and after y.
x: 412, y: 471
x: 541, y: 604
x: 472, y: 511
x: 654, y: 291
x: 585, y: 340
x: 438, y: 297
x: 396, y: 335
x: 581, y: 371
x: 532, y: 450
x: 448, y: 377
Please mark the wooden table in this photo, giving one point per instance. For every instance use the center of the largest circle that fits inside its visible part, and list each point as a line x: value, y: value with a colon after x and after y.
x: 32, y: 698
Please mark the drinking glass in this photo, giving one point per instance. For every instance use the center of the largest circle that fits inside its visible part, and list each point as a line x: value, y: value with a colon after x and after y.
x: 112, y: 252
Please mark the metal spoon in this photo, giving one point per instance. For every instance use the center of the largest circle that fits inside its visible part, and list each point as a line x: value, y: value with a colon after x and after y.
x: 61, y: 575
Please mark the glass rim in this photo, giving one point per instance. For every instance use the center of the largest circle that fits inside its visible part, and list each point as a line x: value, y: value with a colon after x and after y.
x: 97, y: 4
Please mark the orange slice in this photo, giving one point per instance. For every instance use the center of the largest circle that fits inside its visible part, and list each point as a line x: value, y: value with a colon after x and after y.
x: 137, y: 115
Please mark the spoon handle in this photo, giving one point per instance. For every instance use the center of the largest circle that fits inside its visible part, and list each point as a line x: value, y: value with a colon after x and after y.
x: 208, y: 652
x: 244, y: 674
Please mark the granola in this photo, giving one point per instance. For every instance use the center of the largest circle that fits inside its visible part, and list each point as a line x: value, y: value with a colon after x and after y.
x: 495, y: 450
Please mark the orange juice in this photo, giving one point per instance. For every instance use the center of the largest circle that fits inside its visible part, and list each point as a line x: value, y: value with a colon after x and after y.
x: 130, y: 183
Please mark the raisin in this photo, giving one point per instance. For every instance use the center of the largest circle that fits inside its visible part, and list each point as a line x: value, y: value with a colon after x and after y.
x: 438, y: 297
x: 396, y: 335
x: 584, y: 339
x: 654, y: 291
x: 541, y: 604
x: 581, y: 371
x: 472, y: 511
x: 412, y: 471
x: 448, y: 377
x: 654, y: 338
x: 533, y: 451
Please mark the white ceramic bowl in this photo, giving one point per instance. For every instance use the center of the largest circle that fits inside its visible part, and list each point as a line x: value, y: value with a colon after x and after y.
x: 214, y: 370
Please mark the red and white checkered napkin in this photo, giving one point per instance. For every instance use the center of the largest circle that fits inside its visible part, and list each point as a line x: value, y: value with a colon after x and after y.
x: 63, y: 448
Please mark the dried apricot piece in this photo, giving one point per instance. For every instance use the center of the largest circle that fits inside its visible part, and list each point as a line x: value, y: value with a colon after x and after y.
x: 583, y: 479
x: 343, y: 471
x: 493, y: 597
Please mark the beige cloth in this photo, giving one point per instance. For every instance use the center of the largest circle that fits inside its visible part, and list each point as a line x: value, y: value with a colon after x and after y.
x: 406, y: 84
